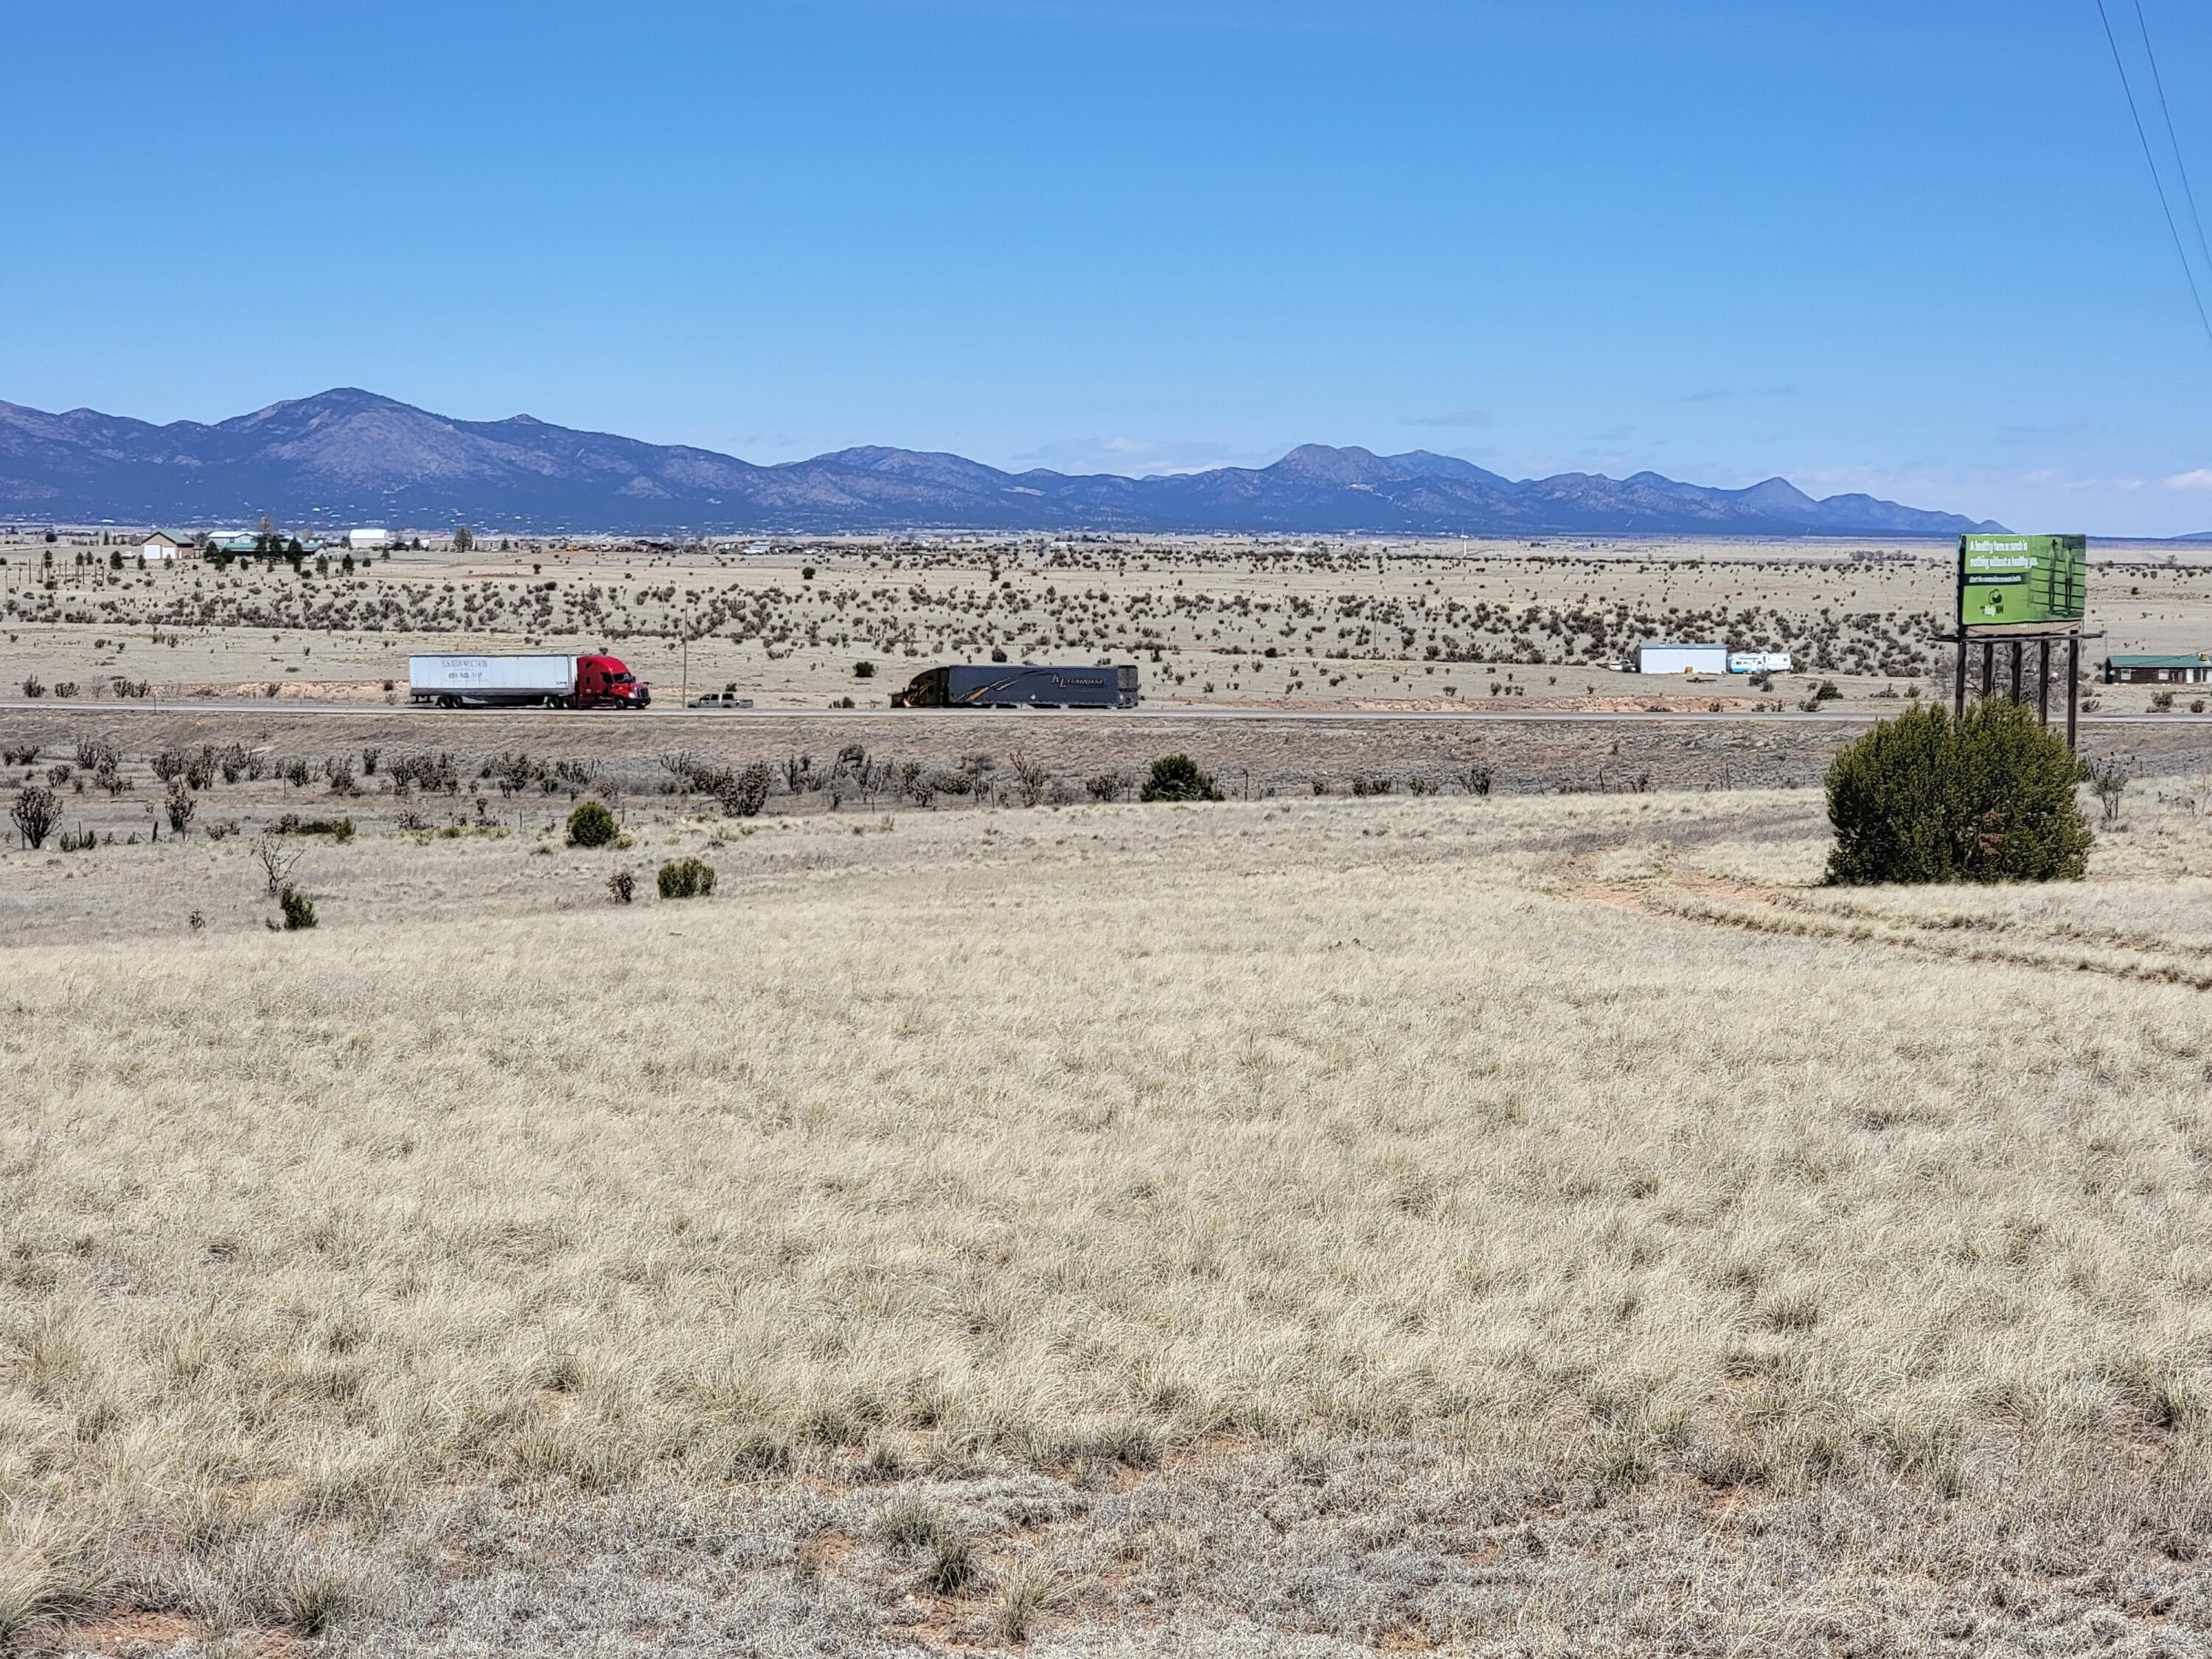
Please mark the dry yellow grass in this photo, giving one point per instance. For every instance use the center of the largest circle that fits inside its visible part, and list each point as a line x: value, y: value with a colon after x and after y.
x: 1367, y: 1223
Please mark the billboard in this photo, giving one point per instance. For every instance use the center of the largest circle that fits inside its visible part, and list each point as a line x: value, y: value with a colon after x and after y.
x: 2018, y: 580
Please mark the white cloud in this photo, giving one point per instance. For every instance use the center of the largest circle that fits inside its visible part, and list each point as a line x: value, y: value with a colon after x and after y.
x: 2196, y: 478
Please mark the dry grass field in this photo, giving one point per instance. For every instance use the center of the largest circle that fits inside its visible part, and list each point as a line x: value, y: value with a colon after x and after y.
x: 1307, y: 1226
x: 1212, y: 621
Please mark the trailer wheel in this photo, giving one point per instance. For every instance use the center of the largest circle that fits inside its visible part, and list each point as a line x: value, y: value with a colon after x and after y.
x: 449, y: 702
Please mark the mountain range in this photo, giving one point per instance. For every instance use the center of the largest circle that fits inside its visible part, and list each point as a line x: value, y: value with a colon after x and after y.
x: 348, y: 456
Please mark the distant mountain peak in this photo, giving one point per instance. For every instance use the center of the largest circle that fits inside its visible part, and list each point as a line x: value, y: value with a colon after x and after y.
x: 348, y: 454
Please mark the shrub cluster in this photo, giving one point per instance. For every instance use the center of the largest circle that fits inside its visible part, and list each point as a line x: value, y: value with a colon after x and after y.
x: 686, y: 878
x: 291, y: 824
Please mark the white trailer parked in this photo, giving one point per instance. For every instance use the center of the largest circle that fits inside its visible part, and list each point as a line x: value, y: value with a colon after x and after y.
x: 1758, y: 662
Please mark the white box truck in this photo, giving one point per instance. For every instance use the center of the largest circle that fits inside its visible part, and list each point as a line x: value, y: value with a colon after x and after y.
x: 460, y: 681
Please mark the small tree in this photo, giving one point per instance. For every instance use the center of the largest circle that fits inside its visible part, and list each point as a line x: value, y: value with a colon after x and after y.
x: 1176, y: 777
x: 1923, y: 798
x: 2108, y: 781
x: 276, y: 861
x: 35, y: 814
x: 464, y: 541
x: 591, y: 825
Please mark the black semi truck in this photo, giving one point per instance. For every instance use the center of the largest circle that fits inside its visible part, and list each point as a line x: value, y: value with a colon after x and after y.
x: 1020, y: 685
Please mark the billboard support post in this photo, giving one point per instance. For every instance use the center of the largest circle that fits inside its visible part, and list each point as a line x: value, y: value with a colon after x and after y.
x: 2073, y: 686
x: 2016, y: 674
x: 1988, y: 669
x: 2043, y: 683
x: 1958, y: 692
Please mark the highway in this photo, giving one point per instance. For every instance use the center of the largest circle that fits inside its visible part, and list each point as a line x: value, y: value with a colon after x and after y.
x: 289, y: 708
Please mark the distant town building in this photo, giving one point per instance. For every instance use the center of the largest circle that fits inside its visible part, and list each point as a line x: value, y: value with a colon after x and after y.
x: 1675, y: 659
x: 2160, y: 670
x: 368, y: 541
x: 160, y: 548
x: 247, y: 544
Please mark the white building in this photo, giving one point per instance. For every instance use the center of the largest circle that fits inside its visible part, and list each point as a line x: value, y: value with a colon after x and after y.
x: 1672, y: 659
x: 368, y: 541
x: 160, y: 548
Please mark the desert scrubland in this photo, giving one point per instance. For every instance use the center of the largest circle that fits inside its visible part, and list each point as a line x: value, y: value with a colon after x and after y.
x: 1294, y: 623
x: 1316, y: 1225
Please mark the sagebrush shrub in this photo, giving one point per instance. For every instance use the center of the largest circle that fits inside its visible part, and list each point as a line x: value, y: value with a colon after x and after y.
x: 592, y: 825
x: 299, y: 909
x: 1925, y: 798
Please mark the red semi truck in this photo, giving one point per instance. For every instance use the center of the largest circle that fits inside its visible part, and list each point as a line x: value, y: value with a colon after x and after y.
x: 525, y: 681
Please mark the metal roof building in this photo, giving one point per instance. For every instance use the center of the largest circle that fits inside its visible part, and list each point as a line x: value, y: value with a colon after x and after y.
x: 2159, y: 669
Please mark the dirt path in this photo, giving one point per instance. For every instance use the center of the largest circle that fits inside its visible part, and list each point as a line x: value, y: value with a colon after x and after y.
x: 1750, y: 907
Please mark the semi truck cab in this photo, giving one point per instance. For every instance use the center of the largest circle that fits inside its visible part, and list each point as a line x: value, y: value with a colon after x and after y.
x: 603, y: 682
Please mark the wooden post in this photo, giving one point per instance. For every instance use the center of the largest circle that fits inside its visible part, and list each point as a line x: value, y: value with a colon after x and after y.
x: 2016, y: 653
x: 2043, y: 683
x: 1958, y: 692
x: 1989, y: 667
x: 2073, y: 685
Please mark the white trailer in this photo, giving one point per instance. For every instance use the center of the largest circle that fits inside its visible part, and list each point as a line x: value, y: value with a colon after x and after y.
x: 1682, y: 660
x: 1758, y: 662
x: 454, y: 681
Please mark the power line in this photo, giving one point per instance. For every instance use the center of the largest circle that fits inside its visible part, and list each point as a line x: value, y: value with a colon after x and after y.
x: 2157, y: 183
x: 2172, y: 138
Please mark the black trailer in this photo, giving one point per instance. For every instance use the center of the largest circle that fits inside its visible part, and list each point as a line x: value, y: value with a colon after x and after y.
x: 1023, y: 685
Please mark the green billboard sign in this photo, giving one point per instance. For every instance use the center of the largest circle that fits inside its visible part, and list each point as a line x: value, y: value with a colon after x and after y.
x: 2016, y: 580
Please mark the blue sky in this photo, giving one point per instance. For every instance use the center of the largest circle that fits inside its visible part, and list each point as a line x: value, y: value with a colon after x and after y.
x: 1911, y: 248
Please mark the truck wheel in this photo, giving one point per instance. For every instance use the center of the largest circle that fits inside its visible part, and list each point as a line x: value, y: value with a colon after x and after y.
x: 448, y: 702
